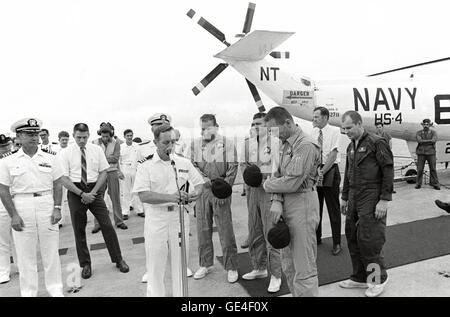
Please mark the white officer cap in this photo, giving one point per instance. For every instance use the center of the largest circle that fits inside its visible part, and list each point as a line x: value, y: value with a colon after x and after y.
x: 27, y: 124
x: 159, y: 118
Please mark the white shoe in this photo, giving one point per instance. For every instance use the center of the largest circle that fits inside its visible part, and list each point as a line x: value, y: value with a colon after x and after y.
x: 144, y: 278
x: 375, y: 289
x: 255, y: 274
x: 201, y: 273
x: 232, y: 276
x: 275, y: 284
x: 189, y: 272
x: 352, y: 284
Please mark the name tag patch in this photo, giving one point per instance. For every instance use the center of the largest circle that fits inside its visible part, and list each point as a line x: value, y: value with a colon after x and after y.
x: 45, y: 165
x: 183, y: 171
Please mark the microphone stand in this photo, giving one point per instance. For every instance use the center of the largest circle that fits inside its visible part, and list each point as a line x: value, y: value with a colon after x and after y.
x: 182, y: 237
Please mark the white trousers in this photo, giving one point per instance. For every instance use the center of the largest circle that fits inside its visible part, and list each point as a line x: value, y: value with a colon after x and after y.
x: 36, y: 214
x: 6, y: 246
x: 64, y: 206
x: 128, y: 198
x: 161, y: 236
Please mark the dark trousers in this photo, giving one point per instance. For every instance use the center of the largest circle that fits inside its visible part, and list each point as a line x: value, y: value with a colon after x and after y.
x: 330, y: 193
x: 365, y: 238
x: 79, y: 219
x: 431, y: 159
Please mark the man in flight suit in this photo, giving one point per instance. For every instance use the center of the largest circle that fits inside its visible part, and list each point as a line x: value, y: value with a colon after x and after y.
x: 216, y: 158
x: 368, y: 184
x: 258, y: 153
x: 30, y: 190
x: 295, y: 198
x: 156, y: 183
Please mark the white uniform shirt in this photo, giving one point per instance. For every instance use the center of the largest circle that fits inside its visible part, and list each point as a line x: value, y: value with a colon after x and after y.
x: 24, y: 174
x: 158, y: 176
x: 70, y: 159
x: 331, y: 137
x: 128, y: 154
x: 145, y: 150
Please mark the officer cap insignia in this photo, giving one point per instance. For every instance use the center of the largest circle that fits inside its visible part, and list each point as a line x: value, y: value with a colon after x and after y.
x: 32, y: 123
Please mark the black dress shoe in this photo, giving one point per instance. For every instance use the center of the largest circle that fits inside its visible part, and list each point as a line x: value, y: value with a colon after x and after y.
x: 418, y: 186
x: 87, y: 271
x: 437, y: 187
x: 96, y: 229
x: 122, y: 226
x: 336, y: 249
x: 141, y: 215
x: 123, y: 267
x: 442, y: 205
x: 125, y: 217
x: 60, y: 226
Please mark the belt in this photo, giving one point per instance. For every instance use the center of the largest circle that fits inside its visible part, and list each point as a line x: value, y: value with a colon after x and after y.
x: 37, y: 194
x: 306, y: 190
x: 170, y: 208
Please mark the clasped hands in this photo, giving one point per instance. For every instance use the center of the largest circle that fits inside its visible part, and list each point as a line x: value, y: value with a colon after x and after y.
x: 87, y: 198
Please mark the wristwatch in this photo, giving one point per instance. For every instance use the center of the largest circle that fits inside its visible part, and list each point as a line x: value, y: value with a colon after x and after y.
x: 57, y: 207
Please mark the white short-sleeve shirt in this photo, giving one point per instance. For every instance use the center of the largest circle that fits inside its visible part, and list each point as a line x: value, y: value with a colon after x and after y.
x: 128, y: 154
x: 70, y: 159
x: 331, y: 137
x: 25, y: 174
x: 158, y: 176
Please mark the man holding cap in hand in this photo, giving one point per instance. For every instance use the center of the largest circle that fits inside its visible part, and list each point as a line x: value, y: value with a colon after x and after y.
x: 216, y: 159
x: 257, y: 167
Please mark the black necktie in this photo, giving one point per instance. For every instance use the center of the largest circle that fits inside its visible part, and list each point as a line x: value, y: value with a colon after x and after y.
x: 83, y: 167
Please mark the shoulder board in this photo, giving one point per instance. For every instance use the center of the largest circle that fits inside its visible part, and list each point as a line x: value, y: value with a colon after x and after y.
x: 49, y: 152
x: 56, y: 143
x: 6, y: 154
x: 146, y: 158
x: 143, y: 143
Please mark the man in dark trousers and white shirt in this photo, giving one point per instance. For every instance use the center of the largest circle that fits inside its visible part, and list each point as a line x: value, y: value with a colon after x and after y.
x: 85, y: 167
x: 329, y: 175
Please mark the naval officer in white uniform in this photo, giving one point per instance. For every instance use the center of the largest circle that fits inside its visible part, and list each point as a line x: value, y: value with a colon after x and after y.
x: 30, y: 190
x: 157, y: 188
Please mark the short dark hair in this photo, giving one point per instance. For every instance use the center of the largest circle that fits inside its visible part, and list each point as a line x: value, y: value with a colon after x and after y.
x: 323, y: 111
x: 45, y: 130
x: 81, y: 127
x: 279, y: 114
x: 209, y: 117
x: 137, y: 140
x: 63, y: 134
x: 354, y: 115
x: 259, y: 115
x: 161, y: 129
x: 127, y: 131
x: 379, y: 123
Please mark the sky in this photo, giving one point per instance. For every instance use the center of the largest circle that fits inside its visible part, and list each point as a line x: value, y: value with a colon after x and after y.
x: 121, y: 61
